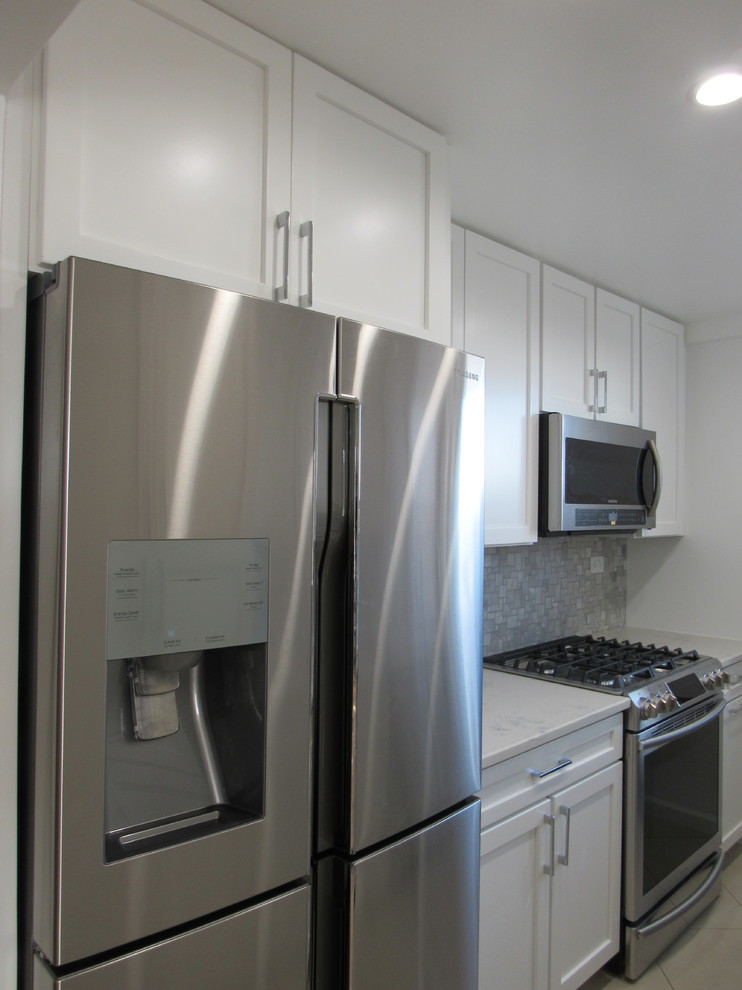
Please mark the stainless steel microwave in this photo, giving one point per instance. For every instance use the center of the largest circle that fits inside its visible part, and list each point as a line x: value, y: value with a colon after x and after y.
x: 596, y: 476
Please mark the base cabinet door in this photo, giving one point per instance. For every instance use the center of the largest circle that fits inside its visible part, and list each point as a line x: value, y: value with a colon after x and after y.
x: 514, y: 902
x: 585, y: 900
x: 550, y: 888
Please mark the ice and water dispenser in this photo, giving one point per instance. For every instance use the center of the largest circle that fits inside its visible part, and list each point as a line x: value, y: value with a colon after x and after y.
x: 187, y: 627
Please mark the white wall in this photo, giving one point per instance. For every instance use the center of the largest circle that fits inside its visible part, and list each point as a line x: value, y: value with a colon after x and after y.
x: 15, y: 157
x: 694, y: 583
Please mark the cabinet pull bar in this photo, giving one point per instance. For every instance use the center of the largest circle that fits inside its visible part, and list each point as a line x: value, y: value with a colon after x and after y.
x: 281, y: 292
x: 594, y: 375
x: 545, y: 773
x: 551, y: 822
x: 306, y: 229
x: 604, y: 376
x: 567, y: 812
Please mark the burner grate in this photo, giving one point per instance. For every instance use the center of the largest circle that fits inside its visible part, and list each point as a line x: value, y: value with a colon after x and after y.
x: 597, y: 662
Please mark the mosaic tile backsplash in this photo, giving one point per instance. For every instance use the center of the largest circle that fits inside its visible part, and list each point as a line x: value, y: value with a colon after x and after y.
x: 540, y: 592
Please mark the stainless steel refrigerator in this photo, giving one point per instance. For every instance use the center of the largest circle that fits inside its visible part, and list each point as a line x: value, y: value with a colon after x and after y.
x: 251, y: 671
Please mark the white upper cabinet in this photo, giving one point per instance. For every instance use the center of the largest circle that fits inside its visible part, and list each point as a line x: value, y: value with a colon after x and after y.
x: 497, y: 316
x: 590, y: 351
x: 663, y: 410
x: 177, y: 140
x: 567, y: 344
x: 166, y: 143
x: 370, y: 204
x: 617, y: 358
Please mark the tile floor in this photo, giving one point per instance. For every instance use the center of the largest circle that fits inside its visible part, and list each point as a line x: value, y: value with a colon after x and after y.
x: 708, y: 956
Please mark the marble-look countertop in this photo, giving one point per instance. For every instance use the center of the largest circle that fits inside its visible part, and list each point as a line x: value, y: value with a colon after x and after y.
x: 519, y: 712
x: 725, y: 650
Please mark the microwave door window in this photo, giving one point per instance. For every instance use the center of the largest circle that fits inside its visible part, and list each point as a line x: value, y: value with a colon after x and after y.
x: 602, y: 473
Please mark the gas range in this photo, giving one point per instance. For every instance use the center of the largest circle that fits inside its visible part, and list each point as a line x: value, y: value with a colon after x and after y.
x: 657, y: 680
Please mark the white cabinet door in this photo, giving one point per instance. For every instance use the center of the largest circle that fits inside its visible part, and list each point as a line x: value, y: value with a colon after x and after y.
x: 617, y: 358
x: 514, y: 902
x: 501, y: 322
x: 663, y: 410
x: 370, y: 204
x: 166, y: 143
x: 586, y: 892
x: 567, y: 344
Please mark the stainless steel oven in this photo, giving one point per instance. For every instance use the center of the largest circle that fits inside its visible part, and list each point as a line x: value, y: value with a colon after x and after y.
x: 672, y: 827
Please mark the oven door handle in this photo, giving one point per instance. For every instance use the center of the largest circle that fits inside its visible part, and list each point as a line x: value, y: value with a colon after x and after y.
x: 644, y: 930
x: 686, y: 729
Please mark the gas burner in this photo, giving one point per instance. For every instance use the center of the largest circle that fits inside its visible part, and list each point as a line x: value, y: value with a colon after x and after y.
x: 595, y: 662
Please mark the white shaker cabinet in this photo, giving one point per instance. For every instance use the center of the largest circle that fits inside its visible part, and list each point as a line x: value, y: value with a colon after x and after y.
x: 496, y: 314
x: 663, y: 410
x: 175, y: 139
x: 590, y: 351
x: 166, y: 143
x: 551, y: 862
x: 370, y: 204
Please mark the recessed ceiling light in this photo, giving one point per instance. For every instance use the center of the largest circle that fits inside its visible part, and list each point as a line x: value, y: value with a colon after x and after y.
x: 720, y: 89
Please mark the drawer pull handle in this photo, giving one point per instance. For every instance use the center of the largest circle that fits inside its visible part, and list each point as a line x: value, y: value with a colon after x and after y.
x: 545, y: 773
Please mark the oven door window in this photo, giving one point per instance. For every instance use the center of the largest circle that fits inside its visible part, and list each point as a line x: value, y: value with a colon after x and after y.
x: 681, y: 801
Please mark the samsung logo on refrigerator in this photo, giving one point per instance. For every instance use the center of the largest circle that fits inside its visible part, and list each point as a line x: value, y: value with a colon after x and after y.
x: 462, y: 373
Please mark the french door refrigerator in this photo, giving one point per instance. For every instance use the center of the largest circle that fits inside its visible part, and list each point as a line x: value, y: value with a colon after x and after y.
x: 251, y: 671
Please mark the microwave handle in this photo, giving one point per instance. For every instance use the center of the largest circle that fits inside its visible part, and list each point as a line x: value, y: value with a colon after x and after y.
x: 652, y: 507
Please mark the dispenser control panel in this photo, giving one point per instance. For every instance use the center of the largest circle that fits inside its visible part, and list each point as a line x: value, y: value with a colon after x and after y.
x: 169, y: 596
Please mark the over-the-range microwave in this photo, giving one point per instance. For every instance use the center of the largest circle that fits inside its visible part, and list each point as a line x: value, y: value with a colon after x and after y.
x: 596, y: 476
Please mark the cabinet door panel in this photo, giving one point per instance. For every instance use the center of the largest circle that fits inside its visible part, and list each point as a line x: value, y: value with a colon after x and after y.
x: 501, y: 311
x: 663, y: 410
x: 567, y: 344
x: 514, y: 902
x: 586, y: 889
x: 166, y: 142
x: 617, y: 346
x: 373, y: 184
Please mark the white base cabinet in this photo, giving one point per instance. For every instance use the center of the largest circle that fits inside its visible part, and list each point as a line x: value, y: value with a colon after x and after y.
x: 551, y: 871
x: 496, y: 296
x: 174, y: 139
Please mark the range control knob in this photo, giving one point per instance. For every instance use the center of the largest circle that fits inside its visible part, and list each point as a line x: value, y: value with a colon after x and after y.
x: 708, y: 682
x: 719, y: 677
x: 669, y: 701
x: 645, y: 709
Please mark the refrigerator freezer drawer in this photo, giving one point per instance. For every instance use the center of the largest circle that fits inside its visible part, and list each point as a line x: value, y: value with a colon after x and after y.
x: 262, y: 948
x: 407, y: 914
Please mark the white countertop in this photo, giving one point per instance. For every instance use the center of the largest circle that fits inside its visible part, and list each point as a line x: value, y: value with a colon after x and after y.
x: 520, y: 712
x: 725, y: 650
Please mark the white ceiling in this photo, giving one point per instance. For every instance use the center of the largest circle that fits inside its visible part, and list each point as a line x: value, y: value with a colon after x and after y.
x: 572, y: 135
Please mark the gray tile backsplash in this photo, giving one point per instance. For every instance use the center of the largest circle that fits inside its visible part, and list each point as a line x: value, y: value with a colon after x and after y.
x: 540, y: 592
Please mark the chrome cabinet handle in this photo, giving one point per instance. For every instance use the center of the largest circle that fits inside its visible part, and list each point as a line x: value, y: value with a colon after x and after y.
x: 306, y: 229
x: 594, y: 375
x: 545, y: 773
x: 567, y: 812
x: 283, y: 221
x: 551, y: 822
x: 651, y: 509
x: 604, y: 376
